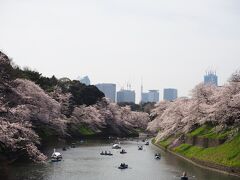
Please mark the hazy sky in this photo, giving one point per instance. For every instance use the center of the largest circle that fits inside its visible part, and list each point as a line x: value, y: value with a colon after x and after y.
x: 169, y: 43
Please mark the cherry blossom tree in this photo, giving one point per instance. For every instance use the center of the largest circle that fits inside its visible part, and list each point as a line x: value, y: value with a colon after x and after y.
x: 219, y: 106
x: 156, y: 114
x: 20, y: 137
x: 37, y: 105
x: 109, y: 115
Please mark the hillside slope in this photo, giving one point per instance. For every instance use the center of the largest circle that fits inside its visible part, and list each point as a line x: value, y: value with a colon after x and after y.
x: 204, y: 128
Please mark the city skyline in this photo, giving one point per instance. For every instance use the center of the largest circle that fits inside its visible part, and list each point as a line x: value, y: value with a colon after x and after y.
x: 161, y: 92
x: 167, y: 43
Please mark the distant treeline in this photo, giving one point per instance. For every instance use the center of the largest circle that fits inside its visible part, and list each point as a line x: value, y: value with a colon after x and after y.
x: 81, y: 93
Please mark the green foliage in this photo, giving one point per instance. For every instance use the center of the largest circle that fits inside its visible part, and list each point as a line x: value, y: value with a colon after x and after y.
x: 83, y: 94
x: 83, y: 130
x: 45, y: 132
x: 64, y: 83
x: 188, y: 150
x: 201, y: 130
x: 227, y: 154
x: 7, y: 72
x: 153, y: 140
x: 45, y: 83
x: 80, y: 130
x: 208, y: 131
x: 165, y: 143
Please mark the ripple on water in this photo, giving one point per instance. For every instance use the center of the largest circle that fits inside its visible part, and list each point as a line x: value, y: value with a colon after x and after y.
x: 85, y: 162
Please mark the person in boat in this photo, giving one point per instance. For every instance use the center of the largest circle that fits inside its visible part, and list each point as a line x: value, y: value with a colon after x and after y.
x: 184, y: 176
x: 123, y: 166
x: 157, y: 156
x: 123, y: 152
x: 106, y: 153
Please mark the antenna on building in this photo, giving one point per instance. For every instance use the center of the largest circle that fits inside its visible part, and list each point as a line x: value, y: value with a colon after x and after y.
x: 211, y: 77
x: 128, y: 86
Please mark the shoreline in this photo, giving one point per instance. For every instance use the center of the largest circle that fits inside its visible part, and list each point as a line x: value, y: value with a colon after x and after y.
x: 200, y: 163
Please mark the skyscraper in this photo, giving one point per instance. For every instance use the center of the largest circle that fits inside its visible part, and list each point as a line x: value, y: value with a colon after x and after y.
x: 151, y: 96
x: 108, y: 89
x: 170, y: 94
x: 211, y: 78
x: 144, y: 97
x: 127, y: 96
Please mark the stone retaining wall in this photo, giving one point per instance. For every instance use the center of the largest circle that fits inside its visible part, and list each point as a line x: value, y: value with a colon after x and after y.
x: 203, y: 142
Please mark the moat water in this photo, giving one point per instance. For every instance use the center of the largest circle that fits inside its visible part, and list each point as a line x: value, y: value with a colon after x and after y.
x: 84, y: 162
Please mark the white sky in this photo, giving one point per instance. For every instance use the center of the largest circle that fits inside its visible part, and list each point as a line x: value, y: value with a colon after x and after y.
x: 168, y: 43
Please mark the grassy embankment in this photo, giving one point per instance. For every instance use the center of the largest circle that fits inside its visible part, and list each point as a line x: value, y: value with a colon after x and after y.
x: 227, y: 154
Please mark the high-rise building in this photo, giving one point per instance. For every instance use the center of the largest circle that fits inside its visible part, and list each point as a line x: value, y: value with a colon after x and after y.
x: 170, y: 94
x: 144, y: 97
x: 85, y: 80
x: 211, y: 78
x: 108, y: 89
x: 151, y: 96
x: 127, y: 96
